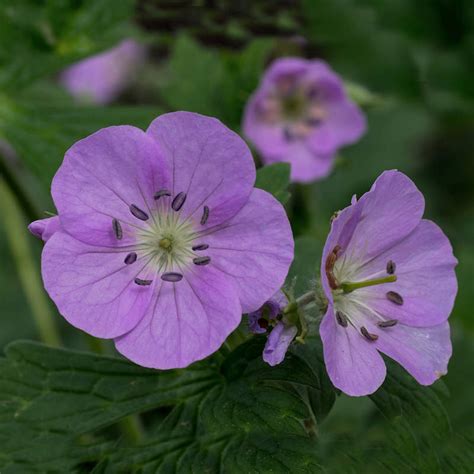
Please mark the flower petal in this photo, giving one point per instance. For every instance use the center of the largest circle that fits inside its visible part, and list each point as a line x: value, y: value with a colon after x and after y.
x: 426, y: 279
x: 278, y: 343
x: 45, y: 228
x: 101, y: 176
x: 345, y: 124
x: 353, y: 363
x: 423, y: 352
x: 185, y: 322
x: 92, y: 287
x: 209, y: 162
x: 255, y: 248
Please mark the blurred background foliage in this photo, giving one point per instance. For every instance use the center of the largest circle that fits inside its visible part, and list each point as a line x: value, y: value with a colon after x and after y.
x: 409, y: 63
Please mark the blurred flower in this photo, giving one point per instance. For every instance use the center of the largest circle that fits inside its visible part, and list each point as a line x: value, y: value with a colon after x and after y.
x: 101, y: 78
x: 259, y: 320
x: 389, y: 279
x: 301, y: 114
x: 163, y: 241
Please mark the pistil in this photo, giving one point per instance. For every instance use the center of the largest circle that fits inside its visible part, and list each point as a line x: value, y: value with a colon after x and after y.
x: 348, y: 286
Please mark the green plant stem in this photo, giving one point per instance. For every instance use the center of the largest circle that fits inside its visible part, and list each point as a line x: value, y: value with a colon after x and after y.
x: 16, y: 232
x: 25, y: 201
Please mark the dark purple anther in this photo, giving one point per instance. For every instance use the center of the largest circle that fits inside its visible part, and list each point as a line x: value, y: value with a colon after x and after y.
x: 138, y: 213
x: 196, y: 248
x: 161, y: 193
x: 394, y: 297
x: 341, y: 319
x: 141, y: 282
x: 205, y: 215
x: 368, y: 335
x: 387, y: 324
x: 172, y: 277
x: 201, y: 260
x: 289, y: 137
x: 313, y: 122
x: 178, y: 201
x: 130, y: 258
x: 391, y: 267
x: 117, y: 229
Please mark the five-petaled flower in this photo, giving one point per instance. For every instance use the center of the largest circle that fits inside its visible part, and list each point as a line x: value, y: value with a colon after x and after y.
x: 101, y: 78
x: 301, y: 114
x: 388, y: 275
x: 161, y: 241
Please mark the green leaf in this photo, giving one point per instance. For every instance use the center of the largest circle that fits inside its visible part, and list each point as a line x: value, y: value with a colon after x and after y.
x: 275, y: 179
x: 37, y: 39
x: 48, y: 397
x: 220, y: 82
x: 41, y: 131
x: 241, y: 414
x: 255, y: 419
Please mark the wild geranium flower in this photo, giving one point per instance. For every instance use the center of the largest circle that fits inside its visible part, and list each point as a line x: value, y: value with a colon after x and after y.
x: 162, y: 240
x: 389, y: 279
x: 101, y: 78
x: 269, y: 316
x: 301, y: 114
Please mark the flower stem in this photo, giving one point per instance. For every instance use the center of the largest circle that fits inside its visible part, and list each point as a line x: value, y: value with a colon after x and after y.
x: 348, y: 286
x: 16, y: 232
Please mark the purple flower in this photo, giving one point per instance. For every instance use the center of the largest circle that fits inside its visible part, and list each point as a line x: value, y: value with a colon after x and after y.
x: 101, y: 78
x: 278, y: 343
x: 259, y: 320
x: 389, y: 279
x: 163, y: 241
x: 302, y: 115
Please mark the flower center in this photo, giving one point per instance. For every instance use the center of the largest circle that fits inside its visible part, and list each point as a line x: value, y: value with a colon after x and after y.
x: 339, y: 273
x: 166, y: 243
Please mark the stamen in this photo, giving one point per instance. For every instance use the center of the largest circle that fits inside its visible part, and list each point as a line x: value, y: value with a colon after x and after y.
x: 341, y: 318
x: 138, y: 213
x: 130, y: 258
x: 141, y: 282
x: 205, y: 215
x: 371, y: 337
x: 330, y: 261
x: 391, y: 267
x: 200, y: 247
x: 348, y: 286
x: 117, y: 229
x: 178, y: 201
x: 313, y: 121
x: 387, y: 324
x: 161, y: 193
x: 172, y: 277
x: 394, y: 297
x: 289, y: 137
x: 201, y: 260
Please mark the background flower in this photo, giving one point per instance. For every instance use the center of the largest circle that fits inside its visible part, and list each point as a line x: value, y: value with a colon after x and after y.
x: 301, y: 114
x: 101, y: 78
x: 389, y: 278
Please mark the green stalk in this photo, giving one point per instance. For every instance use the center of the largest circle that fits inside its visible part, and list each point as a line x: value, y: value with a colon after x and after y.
x: 348, y: 286
x: 17, y: 236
